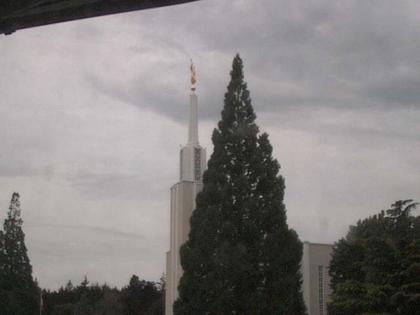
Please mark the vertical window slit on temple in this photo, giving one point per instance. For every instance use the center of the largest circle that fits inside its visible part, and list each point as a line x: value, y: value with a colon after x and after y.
x: 321, y: 290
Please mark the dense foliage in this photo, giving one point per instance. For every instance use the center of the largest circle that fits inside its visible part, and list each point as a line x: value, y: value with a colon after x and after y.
x: 375, y: 269
x: 19, y: 293
x: 140, y: 297
x: 241, y: 256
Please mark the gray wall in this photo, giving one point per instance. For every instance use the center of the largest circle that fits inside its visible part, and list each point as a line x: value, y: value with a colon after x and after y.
x: 316, y: 280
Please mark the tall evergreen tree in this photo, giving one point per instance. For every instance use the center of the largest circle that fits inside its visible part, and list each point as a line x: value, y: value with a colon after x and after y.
x: 241, y: 256
x: 21, y: 291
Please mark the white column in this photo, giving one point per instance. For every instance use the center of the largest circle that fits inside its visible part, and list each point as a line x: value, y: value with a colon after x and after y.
x: 193, y: 123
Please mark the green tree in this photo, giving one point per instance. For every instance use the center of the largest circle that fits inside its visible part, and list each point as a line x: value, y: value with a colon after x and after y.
x: 3, y: 292
x: 110, y: 303
x: 375, y: 269
x: 63, y: 309
x: 158, y: 306
x: 60, y: 302
x: 20, y: 290
x: 241, y: 256
x: 140, y: 296
x: 84, y: 306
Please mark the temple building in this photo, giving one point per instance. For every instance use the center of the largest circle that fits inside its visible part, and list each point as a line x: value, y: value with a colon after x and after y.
x: 316, y: 280
x: 183, y: 193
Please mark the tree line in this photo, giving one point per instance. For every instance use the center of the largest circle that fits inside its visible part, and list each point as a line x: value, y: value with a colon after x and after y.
x: 139, y: 297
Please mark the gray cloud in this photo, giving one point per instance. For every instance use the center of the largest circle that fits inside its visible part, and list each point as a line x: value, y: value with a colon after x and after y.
x: 311, y: 54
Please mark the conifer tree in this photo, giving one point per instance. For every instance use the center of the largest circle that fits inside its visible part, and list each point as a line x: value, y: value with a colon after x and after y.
x: 241, y: 256
x: 139, y: 296
x: 21, y: 291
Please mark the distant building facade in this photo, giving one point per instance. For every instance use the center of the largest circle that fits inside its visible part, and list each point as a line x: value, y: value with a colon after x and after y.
x: 316, y: 280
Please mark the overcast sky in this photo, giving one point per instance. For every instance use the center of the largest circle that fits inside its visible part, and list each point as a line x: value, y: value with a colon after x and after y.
x: 93, y: 113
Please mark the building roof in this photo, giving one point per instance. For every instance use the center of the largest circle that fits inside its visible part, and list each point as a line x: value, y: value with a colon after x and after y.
x: 20, y: 14
x: 321, y: 244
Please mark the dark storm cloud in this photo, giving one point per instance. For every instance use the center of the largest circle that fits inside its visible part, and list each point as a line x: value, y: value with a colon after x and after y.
x: 297, y: 54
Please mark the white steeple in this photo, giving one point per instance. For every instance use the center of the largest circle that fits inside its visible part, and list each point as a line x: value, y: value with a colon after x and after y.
x: 183, y: 193
x: 193, y: 123
x: 193, y: 156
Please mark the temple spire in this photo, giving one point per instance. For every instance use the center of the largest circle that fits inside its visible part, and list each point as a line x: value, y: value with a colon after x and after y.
x: 183, y: 194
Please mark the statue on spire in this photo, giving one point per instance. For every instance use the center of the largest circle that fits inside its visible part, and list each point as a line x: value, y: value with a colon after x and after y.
x: 193, y: 76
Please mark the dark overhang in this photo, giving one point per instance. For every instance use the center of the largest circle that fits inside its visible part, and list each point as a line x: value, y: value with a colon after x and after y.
x: 19, y: 14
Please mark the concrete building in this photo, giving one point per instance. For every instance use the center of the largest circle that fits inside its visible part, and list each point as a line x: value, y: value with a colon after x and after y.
x: 316, y: 280
x: 183, y: 193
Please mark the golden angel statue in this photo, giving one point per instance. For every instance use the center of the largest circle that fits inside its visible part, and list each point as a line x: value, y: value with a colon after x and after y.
x: 193, y: 76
